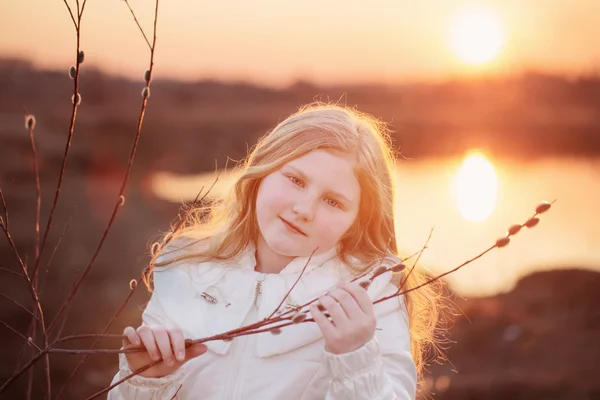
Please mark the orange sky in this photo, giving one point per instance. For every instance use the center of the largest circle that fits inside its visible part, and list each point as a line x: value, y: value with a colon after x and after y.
x: 277, y: 42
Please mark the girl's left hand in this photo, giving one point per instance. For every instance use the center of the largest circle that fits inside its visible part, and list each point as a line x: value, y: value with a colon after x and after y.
x: 353, y: 319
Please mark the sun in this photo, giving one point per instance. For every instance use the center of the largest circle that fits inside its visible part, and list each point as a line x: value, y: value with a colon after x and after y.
x: 477, y: 35
x: 476, y: 188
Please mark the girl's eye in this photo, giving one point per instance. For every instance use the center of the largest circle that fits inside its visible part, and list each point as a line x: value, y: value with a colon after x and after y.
x: 333, y: 203
x: 295, y: 180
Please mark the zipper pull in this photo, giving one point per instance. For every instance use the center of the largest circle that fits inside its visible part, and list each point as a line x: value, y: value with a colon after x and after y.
x: 258, y: 288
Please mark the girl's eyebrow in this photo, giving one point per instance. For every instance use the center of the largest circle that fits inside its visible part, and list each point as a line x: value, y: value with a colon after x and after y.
x: 333, y: 192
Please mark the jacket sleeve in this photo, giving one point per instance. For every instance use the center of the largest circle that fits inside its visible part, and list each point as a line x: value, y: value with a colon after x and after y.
x: 383, y: 369
x: 138, y: 387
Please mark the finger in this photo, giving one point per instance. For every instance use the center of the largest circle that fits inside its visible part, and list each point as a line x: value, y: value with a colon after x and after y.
x: 348, y: 303
x: 360, y: 295
x: 177, y: 343
x: 324, y: 324
x: 195, y: 350
x: 338, y: 315
x: 164, y: 346
x: 147, y: 337
x: 131, y: 338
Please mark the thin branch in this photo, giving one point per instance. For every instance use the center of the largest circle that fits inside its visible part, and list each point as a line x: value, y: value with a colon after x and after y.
x: 19, y: 305
x: 32, y: 289
x: 24, y: 369
x: 293, y: 286
x: 177, y: 391
x: 416, y: 261
x: 121, y: 197
x: 430, y: 281
x: 21, y: 335
x: 88, y: 336
x: 114, y: 385
x: 31, y: 127
x: 71, y: 14
x: 11, y: 272
x: 64, y: 321
x: 63, y: 167
x: 150, y: 46
x: 60, y: 239
x: 4, y: 221
x: 97, y: 337
x: 82, y: 7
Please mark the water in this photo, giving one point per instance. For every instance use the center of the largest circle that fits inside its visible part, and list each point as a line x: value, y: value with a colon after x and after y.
x: 567, y: 236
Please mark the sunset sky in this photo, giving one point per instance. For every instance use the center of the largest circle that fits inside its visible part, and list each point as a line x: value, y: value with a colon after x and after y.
x: 277, y: 42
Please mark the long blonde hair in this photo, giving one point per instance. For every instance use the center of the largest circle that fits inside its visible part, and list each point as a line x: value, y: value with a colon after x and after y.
x: 227, y: 226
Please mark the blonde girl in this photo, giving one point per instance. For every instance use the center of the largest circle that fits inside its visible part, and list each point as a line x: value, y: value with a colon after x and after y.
x: 316, y: 195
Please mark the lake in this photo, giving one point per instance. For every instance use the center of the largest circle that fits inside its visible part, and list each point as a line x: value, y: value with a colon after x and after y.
x: 567, y: 236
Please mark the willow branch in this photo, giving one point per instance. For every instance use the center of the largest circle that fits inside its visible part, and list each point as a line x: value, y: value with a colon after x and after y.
x: 121, y: 198
x: 150, y: 46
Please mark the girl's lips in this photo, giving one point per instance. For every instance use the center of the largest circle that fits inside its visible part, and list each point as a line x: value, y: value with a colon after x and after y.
x: 292, y: 227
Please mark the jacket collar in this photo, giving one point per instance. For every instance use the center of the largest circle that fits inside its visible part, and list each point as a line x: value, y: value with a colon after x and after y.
x: 323, y: 272
x: 247, y: 260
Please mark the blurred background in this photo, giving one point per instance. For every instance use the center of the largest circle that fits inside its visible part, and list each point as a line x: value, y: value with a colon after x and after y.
x: 494, y: 107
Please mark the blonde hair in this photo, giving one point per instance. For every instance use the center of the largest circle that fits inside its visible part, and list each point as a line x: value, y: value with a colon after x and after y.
x: 226, y: 227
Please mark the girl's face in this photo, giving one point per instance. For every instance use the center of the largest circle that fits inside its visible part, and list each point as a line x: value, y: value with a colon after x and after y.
x: 309, y: 202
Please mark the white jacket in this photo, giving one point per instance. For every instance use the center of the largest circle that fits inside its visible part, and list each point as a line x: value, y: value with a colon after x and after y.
x: 291, y: 365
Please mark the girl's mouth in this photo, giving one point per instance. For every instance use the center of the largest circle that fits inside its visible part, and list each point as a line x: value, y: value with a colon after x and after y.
x: 292, y: 227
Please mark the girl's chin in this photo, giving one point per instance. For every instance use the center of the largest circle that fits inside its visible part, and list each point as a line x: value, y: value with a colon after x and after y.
x: 285, y: 247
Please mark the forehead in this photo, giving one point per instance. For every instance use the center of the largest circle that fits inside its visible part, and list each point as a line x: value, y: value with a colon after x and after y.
x: 333, y: 170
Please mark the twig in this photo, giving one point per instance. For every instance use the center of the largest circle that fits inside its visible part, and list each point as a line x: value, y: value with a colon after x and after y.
x: 4, y: 221
x: 293, y: 286
x: 61, y: 237
x: 30, y: 124
x: 121, y: 198
x: 82, y: 7
x: 11, y: 272
x: 71, y: 14
x: 76, y: 101
x: 437, y: 277
x: 19, y: 333
x: 114, y: 385
x: 97, y: 337
x: 150, y: 46
x: 64, y: 320
x: 18, y: 304
x: 416, y: 261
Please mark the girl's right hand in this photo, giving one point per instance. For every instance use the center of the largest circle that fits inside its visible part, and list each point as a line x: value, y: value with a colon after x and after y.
x: 158, y: 343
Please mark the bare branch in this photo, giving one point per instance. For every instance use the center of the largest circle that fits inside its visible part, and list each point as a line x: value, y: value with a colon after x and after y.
x: 294, y: 285
x: 19, y: 305
x: 31, y: 128
x: 114, y: 385
x: 150, y: 46
x: 417, y: 260
x: 19, y: 333
x: 11, y: 272
x: 121, y: 192
x: 98, y: 337
x: 42, y: 286
x: 71, y: 14
x: 82, y: 7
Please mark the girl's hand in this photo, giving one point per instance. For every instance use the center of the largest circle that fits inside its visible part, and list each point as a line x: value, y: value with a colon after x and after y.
x: 158, y: 343
x: 353, y: 320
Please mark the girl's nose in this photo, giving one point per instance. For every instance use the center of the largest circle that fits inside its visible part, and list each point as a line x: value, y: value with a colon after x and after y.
x: 304, y: 209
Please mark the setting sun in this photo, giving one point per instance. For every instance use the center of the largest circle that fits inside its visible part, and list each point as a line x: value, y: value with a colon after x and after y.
x: 476, y: 188
x: 477, y: 35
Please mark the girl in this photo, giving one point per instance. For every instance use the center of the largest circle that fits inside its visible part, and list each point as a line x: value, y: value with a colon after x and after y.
x: 314, y: 200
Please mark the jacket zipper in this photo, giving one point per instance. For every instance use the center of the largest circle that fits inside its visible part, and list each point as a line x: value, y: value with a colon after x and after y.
x: 258, y: 289
x: 242, y: 347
